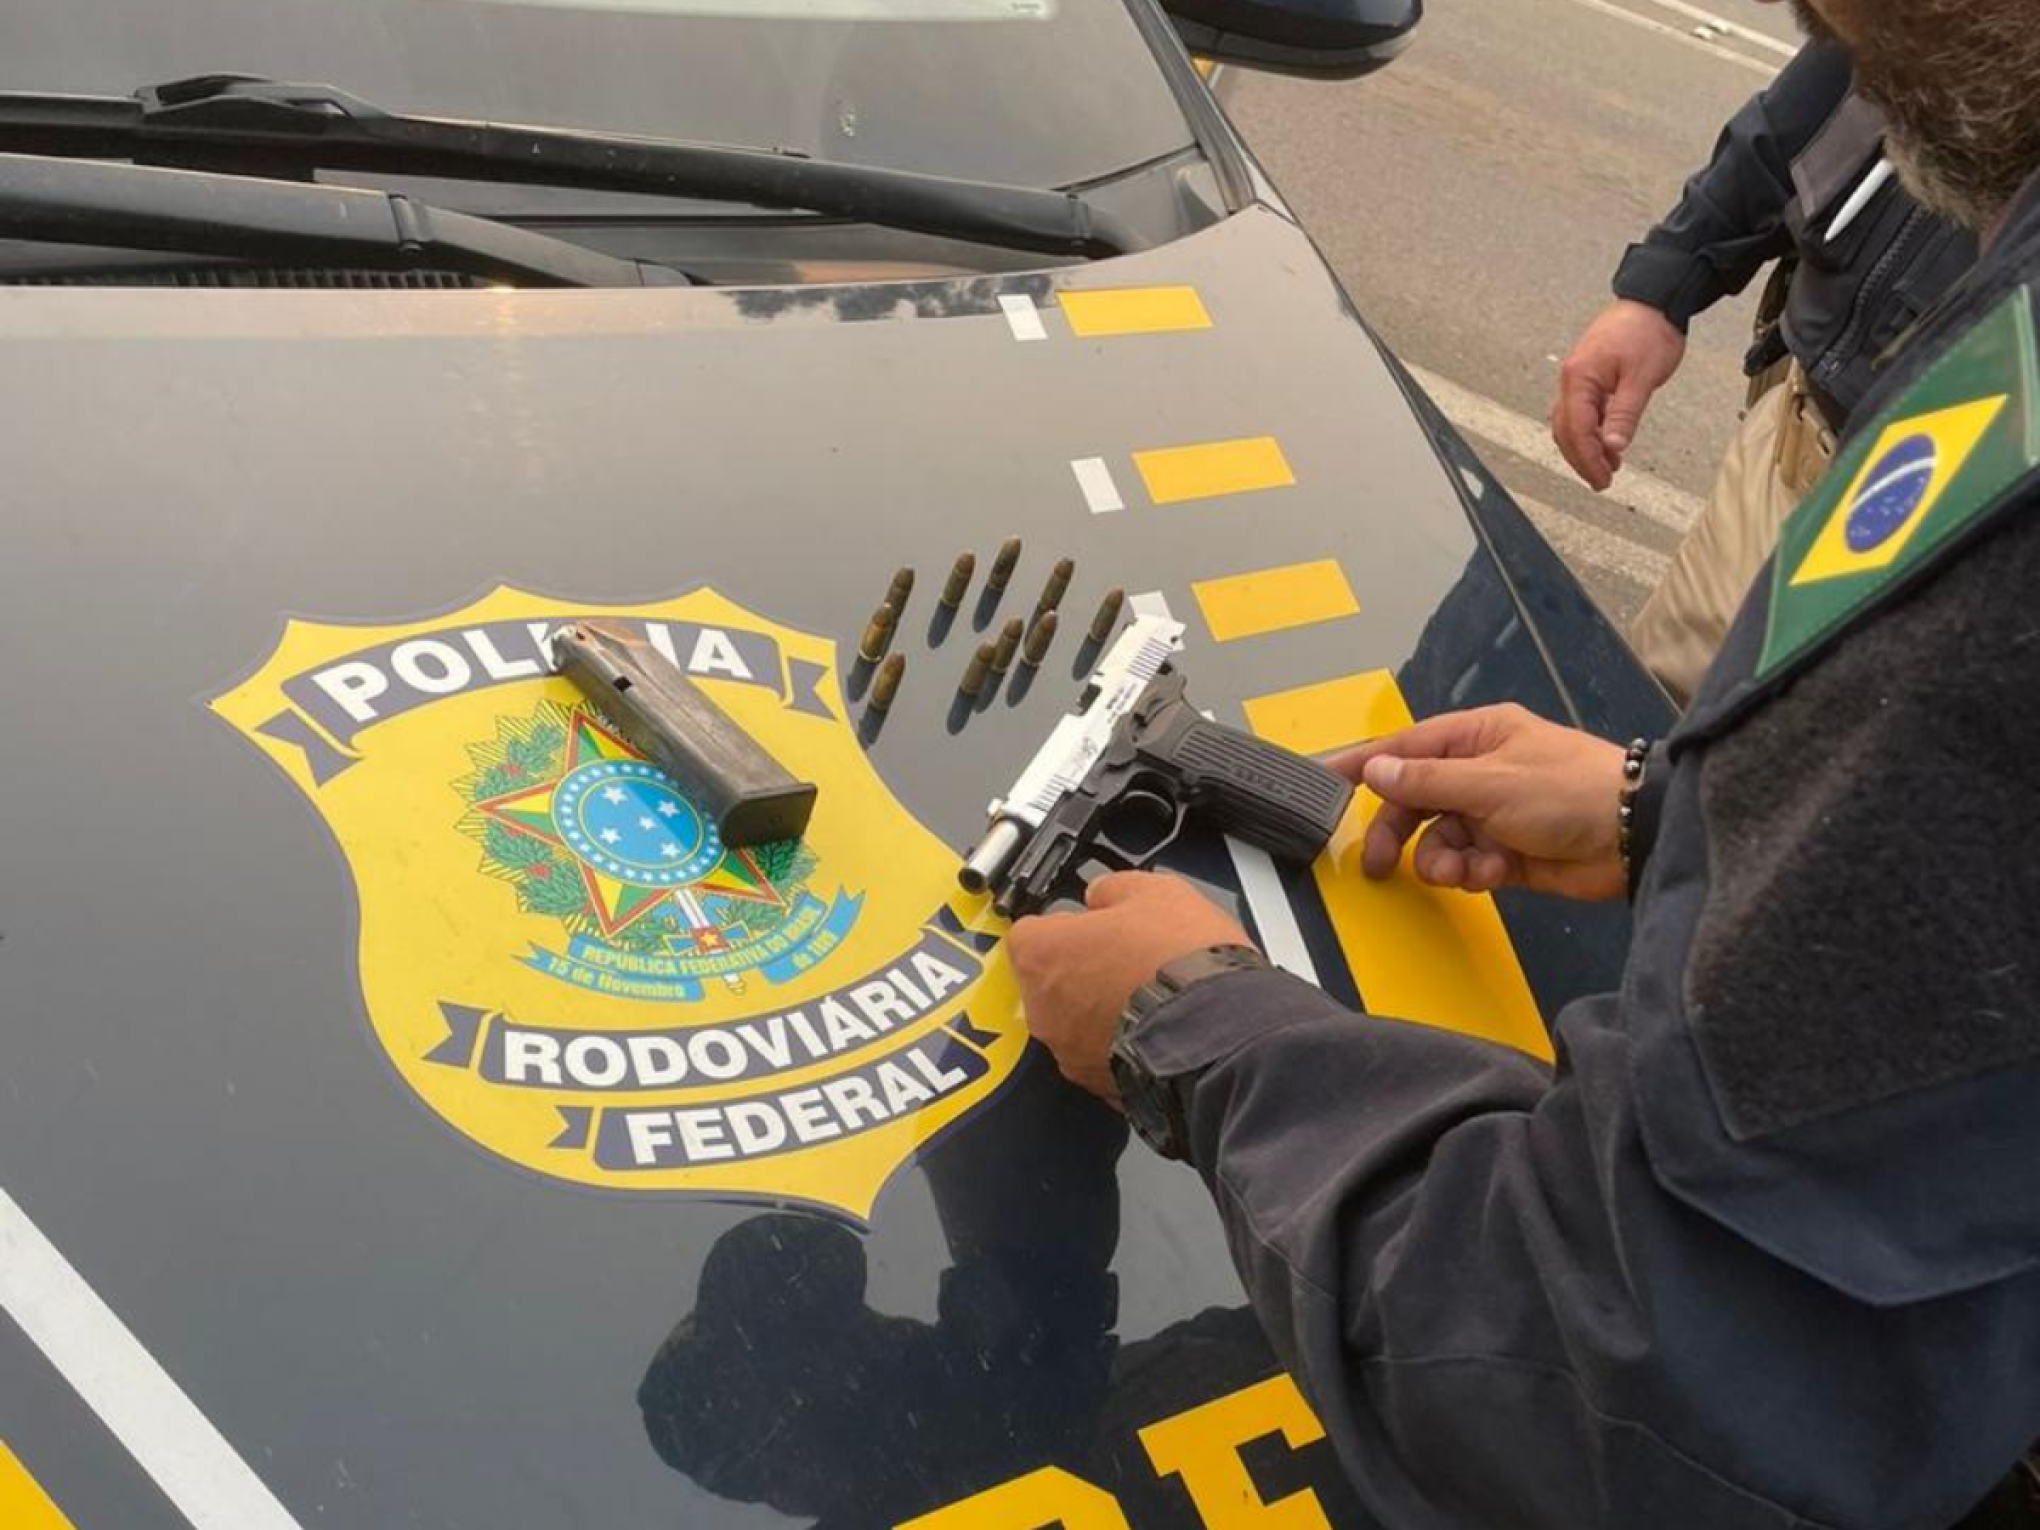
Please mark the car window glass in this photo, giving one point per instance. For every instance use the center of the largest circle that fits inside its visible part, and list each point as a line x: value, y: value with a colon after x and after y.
x: 1033, y: 92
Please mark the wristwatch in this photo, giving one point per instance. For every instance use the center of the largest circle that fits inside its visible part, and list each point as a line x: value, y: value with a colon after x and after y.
x: 1152, y: 1104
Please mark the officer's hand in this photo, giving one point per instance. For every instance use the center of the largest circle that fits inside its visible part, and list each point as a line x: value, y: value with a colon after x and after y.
x: 1626, y: 355
x: 1512, y: 800
x: 1077, y: 971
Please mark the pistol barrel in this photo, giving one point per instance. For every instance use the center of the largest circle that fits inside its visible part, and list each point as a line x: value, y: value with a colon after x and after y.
x: 1140, y: 655
x: 986, y: 864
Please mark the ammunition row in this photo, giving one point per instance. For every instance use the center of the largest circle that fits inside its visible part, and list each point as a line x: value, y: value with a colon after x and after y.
x: 1027, y: 640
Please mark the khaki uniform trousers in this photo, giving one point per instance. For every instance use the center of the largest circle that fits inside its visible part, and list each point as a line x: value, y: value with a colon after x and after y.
x: 1778, y: 453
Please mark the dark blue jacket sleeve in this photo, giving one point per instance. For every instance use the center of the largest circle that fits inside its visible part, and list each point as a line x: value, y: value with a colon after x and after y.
x: 1730, y: 221
x: 1503, y: 1318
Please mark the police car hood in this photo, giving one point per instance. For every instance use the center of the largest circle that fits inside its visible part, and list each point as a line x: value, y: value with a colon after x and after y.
x: 303, y: 859
x: 381, y: 452
x: 187, y: 469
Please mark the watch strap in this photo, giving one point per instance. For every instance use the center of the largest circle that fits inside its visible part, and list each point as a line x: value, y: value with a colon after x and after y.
x: 1164, y: 1128
x: 1197, y: 967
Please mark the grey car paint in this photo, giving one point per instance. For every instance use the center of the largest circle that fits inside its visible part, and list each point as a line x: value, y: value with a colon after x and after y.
x: 395, y: 1329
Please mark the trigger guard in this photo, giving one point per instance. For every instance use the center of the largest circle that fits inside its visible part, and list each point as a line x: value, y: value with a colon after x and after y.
x: 1113, y: 855
x: 1104, y: 847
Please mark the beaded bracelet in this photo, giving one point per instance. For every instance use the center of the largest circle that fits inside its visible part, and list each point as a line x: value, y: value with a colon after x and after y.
x: 1633, y: 762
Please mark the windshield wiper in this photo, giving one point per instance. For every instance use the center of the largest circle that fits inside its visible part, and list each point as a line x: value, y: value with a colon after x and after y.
x: 224, y: 120
x: 135, y: 207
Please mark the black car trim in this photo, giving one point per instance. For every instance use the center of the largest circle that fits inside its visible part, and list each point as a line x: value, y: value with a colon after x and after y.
x: 1201, y: 110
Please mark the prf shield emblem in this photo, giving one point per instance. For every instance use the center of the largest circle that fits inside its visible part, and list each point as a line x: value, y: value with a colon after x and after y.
x: 564, y: 962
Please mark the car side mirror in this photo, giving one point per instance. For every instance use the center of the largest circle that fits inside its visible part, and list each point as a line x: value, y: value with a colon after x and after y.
x: 1323, y: 39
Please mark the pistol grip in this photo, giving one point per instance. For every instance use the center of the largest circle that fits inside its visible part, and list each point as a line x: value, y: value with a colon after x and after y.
x: 1284, y: 802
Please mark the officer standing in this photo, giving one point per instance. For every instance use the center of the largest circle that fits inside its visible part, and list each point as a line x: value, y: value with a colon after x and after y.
x: 1764, y: 1248
x: 1798, y: 176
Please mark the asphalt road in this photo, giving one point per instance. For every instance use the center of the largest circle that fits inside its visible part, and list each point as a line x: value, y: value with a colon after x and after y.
x: 1475, y: 196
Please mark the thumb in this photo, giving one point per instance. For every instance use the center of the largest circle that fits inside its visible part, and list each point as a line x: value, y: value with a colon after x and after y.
x: 1577, y: 417
x: 1433, y: 786
x: 1625, y: 412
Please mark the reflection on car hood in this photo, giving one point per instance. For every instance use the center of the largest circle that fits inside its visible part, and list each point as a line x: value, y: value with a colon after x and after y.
x: 394, y: 1310
x: 198, y: 464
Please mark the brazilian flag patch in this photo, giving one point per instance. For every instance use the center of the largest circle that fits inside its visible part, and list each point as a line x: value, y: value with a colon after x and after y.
x: 1926, y: 468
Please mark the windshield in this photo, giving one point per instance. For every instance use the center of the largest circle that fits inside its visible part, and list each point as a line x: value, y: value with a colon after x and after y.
x: 1028, y: 92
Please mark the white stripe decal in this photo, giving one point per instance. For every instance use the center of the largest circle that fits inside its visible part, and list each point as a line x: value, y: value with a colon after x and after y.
x: 1095, y: 479
x: 134, y: 1396
x: 1151, y: 603
x: 1268, y: 901
x: 1022, y: 317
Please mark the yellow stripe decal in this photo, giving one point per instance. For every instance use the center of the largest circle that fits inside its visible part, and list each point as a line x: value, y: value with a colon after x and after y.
x: 1133, y: 311
x: 1417, y: 953
x: 1178, y: 473
x: 23, y: 1503
x: 1295, y: 595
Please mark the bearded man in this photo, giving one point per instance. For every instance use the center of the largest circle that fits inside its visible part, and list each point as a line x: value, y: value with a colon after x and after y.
x: 1763, y: 1249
